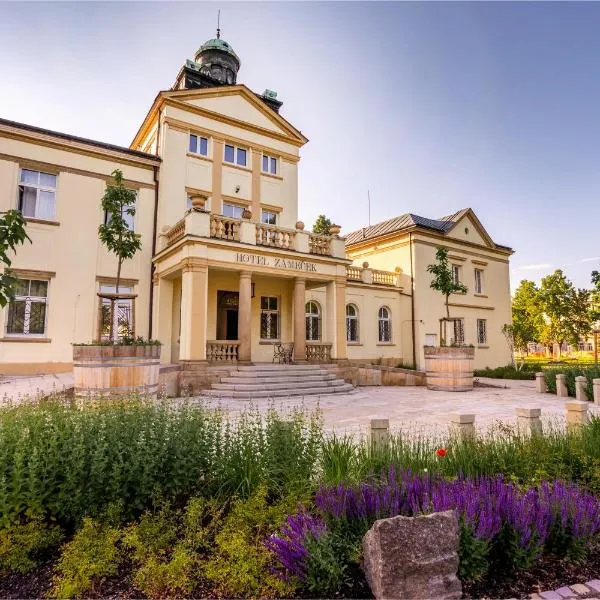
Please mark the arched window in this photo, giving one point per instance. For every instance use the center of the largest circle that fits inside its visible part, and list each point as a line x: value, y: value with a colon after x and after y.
x: 351, y: 323
x: 313, y: 321
x: 385, y: 324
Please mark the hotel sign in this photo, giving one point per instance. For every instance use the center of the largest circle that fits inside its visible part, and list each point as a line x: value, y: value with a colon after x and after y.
x: 285, y: 264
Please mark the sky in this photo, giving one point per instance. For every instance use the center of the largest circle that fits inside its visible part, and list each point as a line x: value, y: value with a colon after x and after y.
x: 429, y: 107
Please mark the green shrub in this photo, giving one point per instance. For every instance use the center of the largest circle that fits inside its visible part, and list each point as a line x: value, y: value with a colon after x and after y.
x: 240, y: 565
x: 507, y: 372
x: 590, y: 373
x: 473, y: 554
x: 94, y: 553
x: 326, y: 567
x: 22, y: 544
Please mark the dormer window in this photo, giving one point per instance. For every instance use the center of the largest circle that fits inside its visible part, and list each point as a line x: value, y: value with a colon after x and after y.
x: 198, y: 145
x: 269, y: 164
x: 235, y: 156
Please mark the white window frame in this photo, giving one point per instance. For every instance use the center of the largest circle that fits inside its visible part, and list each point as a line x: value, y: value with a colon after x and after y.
x: 458, y: 331
x: 29, y: 300
x: 456, y: 273
x: 269, y: 313
x: 350, y: 318
x: 236, y: 155
x: 236, y: 207
x: 272, y: 164
x: 384, y: 325
x: 478, y: 275
x: 38, y: 187
x: 482, y: 332
x: 312, y: 317
x: 126, y: 303
x: 197, y: 144
x: 268, y: 213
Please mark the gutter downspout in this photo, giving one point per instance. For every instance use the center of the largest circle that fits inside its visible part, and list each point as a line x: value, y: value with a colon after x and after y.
x: 154, y: 226
x: 412, y: 303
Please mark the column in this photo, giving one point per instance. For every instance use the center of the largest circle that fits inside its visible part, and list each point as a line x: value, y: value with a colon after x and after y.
x: 299, y: 322
x: 163, y: 315
x: 245, y: 317
x: 336, y: 318
x: 194, y: 301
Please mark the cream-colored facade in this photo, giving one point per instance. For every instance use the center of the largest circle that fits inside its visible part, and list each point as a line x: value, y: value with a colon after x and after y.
x: 226, y: 270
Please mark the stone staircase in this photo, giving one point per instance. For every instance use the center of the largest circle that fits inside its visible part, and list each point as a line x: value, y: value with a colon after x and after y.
x: 278, y: 381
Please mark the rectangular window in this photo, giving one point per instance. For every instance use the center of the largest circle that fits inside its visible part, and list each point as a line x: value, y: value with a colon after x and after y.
x: 234, y: 155
x: 481, y: 331
x: 269, y: 318
x: 268, y: 217
x: 129, y: 218
x: 479, y: 281
x: 232, y: 210
x: 269, y: 164
x: 37, y: 194
x: 123, y: 312
x: 199, y: 145
x: 456, y: 273
x: 459, y: 332
x: 27, y: 312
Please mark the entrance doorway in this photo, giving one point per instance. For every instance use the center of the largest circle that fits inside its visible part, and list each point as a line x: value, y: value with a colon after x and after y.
x: 227, y: 315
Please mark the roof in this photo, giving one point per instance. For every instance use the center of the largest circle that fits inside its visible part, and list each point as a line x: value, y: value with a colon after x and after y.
x: 409, y: 221
x: 74, y: 138
x: 218, y: 44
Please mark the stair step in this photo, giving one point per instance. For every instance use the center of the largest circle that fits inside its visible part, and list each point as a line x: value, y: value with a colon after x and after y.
x: 277, y: 378
x: 296, y: 387
x: 276, y: 367
x: 266, y: 394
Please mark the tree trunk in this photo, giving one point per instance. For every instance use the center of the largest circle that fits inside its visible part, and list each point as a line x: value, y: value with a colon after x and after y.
x: 115, y: 306
x: 447, y: 307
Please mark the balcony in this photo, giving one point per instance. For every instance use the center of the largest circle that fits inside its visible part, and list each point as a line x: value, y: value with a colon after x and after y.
x: 204, y: 224
x: 370, y: 276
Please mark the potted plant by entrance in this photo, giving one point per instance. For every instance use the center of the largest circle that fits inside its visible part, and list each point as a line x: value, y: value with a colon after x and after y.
x: 449, y: 367
x: 123, y: 364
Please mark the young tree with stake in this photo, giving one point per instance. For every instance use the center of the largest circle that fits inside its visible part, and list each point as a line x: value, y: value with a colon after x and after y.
x: 117, y: 203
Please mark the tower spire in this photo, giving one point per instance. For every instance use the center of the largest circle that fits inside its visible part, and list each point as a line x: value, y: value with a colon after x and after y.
x: 219, y: 24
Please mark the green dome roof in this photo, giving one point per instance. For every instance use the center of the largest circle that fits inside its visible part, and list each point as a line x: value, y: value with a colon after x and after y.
x: 218, y: 44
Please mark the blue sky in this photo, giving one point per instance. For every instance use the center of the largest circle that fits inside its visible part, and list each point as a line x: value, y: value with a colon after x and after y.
x: 431, y: 106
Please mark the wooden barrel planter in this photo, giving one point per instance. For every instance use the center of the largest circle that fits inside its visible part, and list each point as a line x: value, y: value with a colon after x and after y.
x: 449, y: 369
x: 116, y: 370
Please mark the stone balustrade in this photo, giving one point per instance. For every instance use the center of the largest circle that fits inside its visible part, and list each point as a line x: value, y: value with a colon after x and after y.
x: 201, y: 223
x: 372, y: 276
x: 220, y: 351
x: 318, y: 352
x: 353, y: 273
x: 384, y: 277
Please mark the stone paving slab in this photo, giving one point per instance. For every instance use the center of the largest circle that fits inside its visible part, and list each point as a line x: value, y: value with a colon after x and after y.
x: 15, y: 388
x: 589, y: 591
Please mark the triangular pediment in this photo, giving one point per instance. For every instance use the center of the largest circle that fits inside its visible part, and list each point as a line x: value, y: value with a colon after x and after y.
x: 238, y: 104
x: 467, y: 227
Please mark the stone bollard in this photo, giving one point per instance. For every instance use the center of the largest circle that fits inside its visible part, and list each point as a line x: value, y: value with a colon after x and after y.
x: 413, y: 557
x: 529, y: 420
x: 561, y: 386
x: 577, y: 414
x: 596, y: 386
x: 580, y: 388
x: 462, y: 425
x: 380, y: 433
x: 540, y: 383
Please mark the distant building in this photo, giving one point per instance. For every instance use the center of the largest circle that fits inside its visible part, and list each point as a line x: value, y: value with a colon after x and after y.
x: 227, y: 271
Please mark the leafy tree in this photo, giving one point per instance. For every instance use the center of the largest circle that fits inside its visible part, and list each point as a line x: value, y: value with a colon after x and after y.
x: 527, y: 315
x: 12, y: 233
x: 595, y: 296
x: 443, y: 278
x: 567, y: 313
x: 117, y: 203
x: 322, y: 225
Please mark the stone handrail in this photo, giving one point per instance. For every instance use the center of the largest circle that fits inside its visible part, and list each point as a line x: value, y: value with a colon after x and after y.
x: 319, y: 244
x: 318, y: 352
x: 353, y: 272
x: 225, y: 228
x: 270, y: 235
x: 176, y: 232
x: 222, y: 351
x: 384, y: 277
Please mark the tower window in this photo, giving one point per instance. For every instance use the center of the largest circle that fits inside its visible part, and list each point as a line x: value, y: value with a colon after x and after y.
x: 199, y: 145
x: 236, y: 156
x: 269, y: 164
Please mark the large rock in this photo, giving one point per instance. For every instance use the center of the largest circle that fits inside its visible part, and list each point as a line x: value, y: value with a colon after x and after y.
x: 413, y: 557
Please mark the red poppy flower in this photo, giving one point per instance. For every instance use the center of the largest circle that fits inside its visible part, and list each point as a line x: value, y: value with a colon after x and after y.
x: 441, y: 452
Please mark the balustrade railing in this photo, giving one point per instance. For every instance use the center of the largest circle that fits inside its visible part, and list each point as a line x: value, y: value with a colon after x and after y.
x: 224, y: 228
x: 384, y: 277
x: 353, y: 273
x: 319, y: 244
x: 268, y: 235
x: 222, y: 351
x: 176, y: 232
x: 318, y: 352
